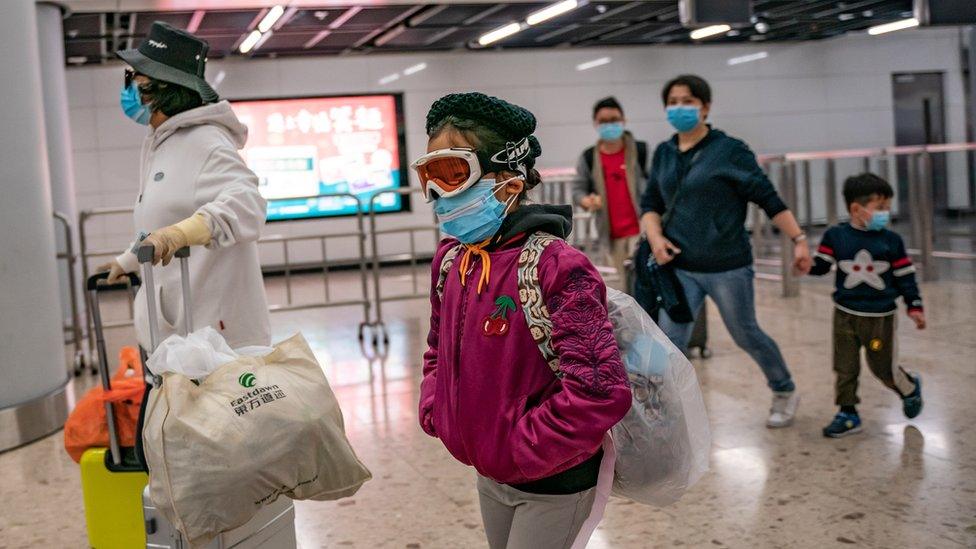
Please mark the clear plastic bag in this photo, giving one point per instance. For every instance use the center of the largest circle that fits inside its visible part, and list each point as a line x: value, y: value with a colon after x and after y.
x: 664, y: 440
x: 195, y: 356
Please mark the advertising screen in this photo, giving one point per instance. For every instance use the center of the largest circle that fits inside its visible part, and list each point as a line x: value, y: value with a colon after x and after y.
x: 308, y: 147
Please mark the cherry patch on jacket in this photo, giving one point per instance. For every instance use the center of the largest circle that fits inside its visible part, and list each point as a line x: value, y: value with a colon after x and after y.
x: 497, y: 324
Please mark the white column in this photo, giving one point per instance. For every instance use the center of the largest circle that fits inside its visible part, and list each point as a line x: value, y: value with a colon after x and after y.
x: 50, y: 33
x: 32, y: 361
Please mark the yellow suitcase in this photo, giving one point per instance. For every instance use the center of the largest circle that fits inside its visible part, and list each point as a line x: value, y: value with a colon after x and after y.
x: 112, y: 479
x: 113, y: 501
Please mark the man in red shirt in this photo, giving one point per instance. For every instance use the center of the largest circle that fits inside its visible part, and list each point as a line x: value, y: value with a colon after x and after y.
x: 610, y: 178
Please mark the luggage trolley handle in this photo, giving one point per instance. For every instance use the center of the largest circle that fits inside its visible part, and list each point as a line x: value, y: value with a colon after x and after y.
x: 145, y: 253
x: 94, y: 285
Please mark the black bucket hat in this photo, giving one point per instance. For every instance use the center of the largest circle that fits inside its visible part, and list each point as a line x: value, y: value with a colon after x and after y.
x: 172, y: 55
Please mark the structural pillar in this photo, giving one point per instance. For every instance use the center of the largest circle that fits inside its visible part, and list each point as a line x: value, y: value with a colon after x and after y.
x: 50, y: 34
x: 32, y: 361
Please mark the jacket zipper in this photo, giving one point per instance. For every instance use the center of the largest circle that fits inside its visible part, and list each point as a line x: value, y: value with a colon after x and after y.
x: 462, y: 314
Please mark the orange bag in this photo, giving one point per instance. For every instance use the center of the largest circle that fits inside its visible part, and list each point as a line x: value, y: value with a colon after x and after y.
x: 87, y: 426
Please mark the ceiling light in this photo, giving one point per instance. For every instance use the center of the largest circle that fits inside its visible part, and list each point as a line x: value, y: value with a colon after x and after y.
x: 551, y: 11
x: 347, y: 15
x: 600, y: 8
x: 712, y: 30
x: 592, y: 64
x: 868, y: 13
x: 271, y: 18
x: 414, y: 69
x: 762, y: 27
x: 747, y: 58
x: 195, y: 21
x: 320, y: 15
x: 845, y: 17
x: 389, y: 78
x: 250, y: 41
x: 895, y: 26
x: 317, y: 38
x: 733, y: 33
x: 499, y: 33
x: 264, y: 38
x: 77, y: 60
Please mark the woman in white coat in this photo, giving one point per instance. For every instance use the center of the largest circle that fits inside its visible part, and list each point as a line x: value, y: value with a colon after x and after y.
x: 195, y: 190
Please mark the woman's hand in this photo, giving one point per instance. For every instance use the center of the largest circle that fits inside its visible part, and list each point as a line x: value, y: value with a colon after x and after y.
x: 115, y: 272
x: 664, y: 250
x: 166, y: 242
x: 802, y: 262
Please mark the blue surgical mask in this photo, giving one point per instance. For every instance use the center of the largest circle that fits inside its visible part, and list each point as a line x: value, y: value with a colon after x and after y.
x: 132, y: 106
x: 474, y: 215
x: 879, y: 220
x: 684, y: 118
x: 611, y: 131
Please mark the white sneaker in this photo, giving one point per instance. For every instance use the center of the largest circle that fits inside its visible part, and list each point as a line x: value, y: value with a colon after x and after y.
x: 783, y: 409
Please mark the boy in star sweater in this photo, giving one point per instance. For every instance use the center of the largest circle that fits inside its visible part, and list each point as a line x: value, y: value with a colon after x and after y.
x: 873, y: 269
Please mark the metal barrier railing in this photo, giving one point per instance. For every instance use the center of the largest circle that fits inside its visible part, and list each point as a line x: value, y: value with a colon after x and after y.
x: 74, y: 327
x: 418, y: 290
x: 85, y: 255
x: 792, y: 173
x: 359, y: 235
x: 919, y: 172
x: 557, y: 188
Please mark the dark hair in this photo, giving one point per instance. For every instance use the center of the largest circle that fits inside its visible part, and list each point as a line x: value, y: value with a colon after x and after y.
x: 698, y: 86
x: 864, y: 187
x: 486, y: 141
x: 168, y: 98
x: 607, y: 103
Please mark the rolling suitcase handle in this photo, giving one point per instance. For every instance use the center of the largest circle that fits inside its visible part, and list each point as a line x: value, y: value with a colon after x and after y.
x: 145, y: 255
x: 93, y: 287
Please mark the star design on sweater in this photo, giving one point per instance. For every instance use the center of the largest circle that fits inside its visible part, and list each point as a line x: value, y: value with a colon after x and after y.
x: 863, y: 269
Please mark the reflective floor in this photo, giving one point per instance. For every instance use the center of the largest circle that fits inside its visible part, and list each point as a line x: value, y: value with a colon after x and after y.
x: 899, y: 484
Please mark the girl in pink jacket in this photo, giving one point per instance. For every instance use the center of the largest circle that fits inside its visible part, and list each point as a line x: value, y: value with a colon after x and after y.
x: 533, y: 436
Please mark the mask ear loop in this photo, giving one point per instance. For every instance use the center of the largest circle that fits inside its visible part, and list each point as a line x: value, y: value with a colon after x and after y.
x: 510, y: 201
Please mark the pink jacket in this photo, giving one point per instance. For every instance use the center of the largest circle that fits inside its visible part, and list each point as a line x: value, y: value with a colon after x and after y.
x: 488, y: 395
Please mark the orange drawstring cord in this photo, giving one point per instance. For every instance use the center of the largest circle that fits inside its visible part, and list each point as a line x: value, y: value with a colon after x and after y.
x: 479, y: 250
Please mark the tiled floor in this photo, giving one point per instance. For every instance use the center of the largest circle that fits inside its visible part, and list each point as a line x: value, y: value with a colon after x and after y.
x: 899, y: 484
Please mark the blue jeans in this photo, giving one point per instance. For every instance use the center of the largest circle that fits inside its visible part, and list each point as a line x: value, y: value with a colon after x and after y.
x: 733, y: 293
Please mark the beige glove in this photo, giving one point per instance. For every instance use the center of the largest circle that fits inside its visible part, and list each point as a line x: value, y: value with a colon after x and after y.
x: 192, y: 231
x: 116, y: 274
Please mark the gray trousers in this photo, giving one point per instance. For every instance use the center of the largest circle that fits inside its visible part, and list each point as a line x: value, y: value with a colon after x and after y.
x: 519, y: 520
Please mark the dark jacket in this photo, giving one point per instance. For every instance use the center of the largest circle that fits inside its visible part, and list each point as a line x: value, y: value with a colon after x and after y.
x: 873, y: 269
x: 718, y: 178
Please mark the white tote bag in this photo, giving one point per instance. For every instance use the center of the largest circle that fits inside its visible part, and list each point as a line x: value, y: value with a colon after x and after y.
x: 257, y: 428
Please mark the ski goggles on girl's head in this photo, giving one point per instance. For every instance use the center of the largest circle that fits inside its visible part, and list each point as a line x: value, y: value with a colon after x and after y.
x: 447, y: 172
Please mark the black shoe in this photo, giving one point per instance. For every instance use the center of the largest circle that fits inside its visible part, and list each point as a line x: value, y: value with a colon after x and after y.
x: 912, y: 404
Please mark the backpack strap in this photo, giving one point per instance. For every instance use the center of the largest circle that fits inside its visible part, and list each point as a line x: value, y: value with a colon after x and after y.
x: 530, y: 295
x: 446, y: 263
x: 642, y: 157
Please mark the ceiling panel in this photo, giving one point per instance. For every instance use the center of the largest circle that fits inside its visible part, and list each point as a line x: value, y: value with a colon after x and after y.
x: 145, y: 20
x: 217, y: 21
x: 314, y: 18
x: 425, y: 27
